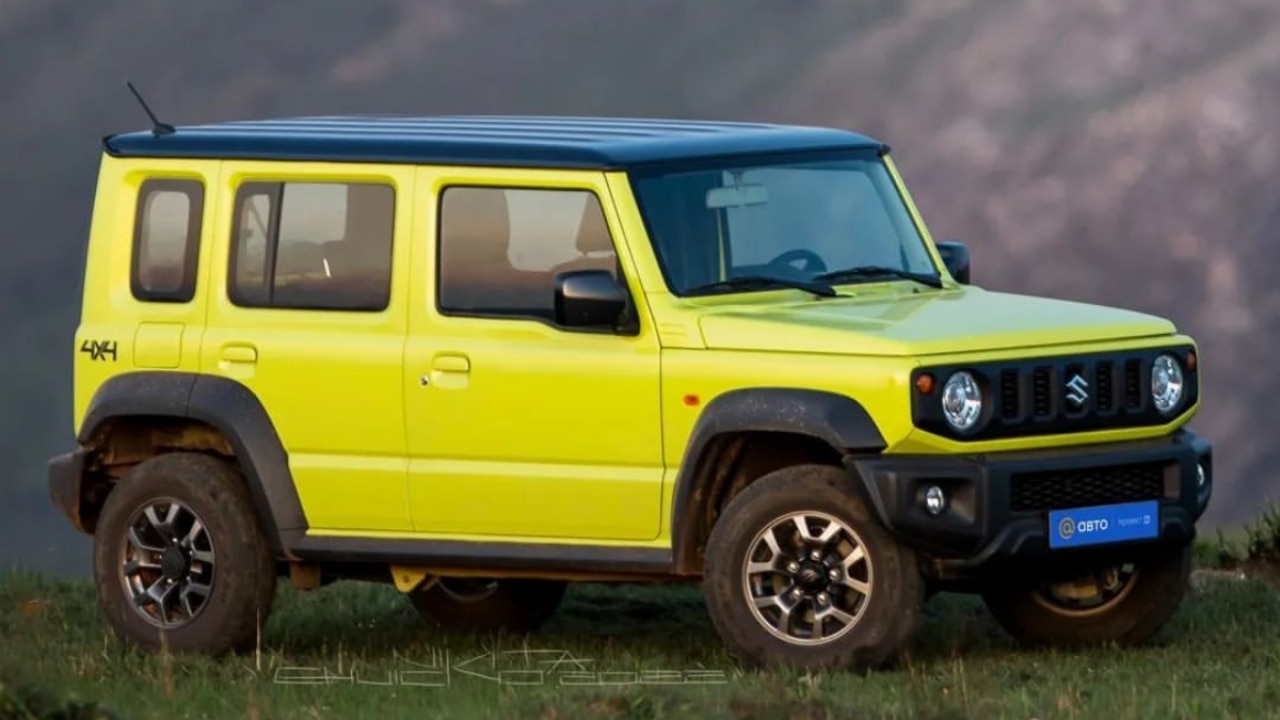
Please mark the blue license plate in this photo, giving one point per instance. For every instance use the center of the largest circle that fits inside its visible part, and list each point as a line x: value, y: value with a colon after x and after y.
x: 1104, y: 524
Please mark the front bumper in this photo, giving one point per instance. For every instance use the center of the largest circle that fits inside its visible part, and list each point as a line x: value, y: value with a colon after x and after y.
x: 998, y: 504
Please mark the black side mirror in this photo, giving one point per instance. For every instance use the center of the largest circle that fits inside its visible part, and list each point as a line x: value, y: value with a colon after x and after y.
x: 589, y: 298
x: 955, y: 255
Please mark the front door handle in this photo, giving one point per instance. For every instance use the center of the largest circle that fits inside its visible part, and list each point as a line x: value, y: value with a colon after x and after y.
x: 240, y: 354
x: 449, y: 371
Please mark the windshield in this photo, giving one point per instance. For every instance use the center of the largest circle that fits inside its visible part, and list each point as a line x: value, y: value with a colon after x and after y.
x: 785, y: 219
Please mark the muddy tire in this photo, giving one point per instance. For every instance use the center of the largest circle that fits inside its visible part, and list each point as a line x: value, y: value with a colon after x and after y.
x: 486, y: 605
x: 180, y: 560
x: 840, y: 594
x: 1125, y: 605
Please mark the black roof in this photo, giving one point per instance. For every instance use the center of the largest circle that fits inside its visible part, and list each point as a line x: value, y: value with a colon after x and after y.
x: 566, y: 142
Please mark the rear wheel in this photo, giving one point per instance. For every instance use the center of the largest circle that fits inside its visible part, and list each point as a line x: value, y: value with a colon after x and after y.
x: 487, y: 604
x: 798, y: 573
x: 180, y: 560
x: 1125, y: 604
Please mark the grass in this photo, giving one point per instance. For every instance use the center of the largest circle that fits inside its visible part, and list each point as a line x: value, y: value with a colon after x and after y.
x: 628, y: 653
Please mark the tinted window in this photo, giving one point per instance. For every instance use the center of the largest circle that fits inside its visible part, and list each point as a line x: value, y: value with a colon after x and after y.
x: 321, y: 246
x: 167, y: 240
x: 501, y: 249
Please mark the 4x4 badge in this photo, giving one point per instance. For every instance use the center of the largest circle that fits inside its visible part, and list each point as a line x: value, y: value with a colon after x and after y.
x: 1077, y: 390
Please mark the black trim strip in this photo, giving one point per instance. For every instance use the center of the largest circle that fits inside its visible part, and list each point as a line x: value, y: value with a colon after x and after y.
x: 495, y: 555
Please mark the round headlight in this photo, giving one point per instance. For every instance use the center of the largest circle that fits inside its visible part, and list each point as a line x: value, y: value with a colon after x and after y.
x: 961, y: 401
x: 1166, y: 383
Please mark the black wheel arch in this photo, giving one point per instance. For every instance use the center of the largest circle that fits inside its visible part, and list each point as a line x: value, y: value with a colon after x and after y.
x: 826, y: 421
x: 234, y: 411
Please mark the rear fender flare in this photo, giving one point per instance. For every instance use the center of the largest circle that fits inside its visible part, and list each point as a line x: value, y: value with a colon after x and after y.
x: 229, y: 407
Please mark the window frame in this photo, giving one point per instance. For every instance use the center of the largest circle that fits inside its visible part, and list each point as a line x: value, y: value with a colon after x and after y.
x: 274, y: 190
x: 195, y: 190
x: 629, y: 328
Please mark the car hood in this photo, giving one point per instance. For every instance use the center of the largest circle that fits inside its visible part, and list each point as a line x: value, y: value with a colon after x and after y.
x: 926, y: 323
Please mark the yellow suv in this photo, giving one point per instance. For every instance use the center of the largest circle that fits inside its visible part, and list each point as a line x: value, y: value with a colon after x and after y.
x: 483, y: 357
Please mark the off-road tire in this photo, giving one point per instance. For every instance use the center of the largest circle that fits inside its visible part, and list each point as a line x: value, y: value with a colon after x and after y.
x: 244, y: 582
x: 1158, y: 587
x: 892, y: 608
x: 516, y: 605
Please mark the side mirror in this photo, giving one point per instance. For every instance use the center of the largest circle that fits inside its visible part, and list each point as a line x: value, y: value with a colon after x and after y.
x: 589, y: 298
x: 955, y: 255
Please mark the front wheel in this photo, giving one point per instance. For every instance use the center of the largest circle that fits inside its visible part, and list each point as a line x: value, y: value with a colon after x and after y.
x: 799, y: 574
x: 1125, y: 604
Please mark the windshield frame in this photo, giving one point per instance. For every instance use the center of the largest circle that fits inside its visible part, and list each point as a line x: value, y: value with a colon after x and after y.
x: 878, y: 154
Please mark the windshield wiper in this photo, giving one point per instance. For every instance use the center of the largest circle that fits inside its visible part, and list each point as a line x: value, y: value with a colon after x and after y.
x: 760, y: 282
x: 862, y: 271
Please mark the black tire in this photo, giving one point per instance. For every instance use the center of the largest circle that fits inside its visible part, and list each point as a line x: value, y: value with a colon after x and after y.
x: 241, y: 577
x: 884, y: 620
x: 1139, y: 609
x: 516, y: 605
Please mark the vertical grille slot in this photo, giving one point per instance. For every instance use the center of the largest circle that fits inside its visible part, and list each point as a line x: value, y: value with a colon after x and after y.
x: 1041, y: 393
x: 1010, y: 398
x: 1103, y: 374
x: 1132, y: 384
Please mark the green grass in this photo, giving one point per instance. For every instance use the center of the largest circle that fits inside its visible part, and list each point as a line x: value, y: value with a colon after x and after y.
x: 603, y: 655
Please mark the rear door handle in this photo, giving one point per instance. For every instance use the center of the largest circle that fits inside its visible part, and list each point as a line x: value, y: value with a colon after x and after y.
x: 240, y: 354
x: 451, y: 363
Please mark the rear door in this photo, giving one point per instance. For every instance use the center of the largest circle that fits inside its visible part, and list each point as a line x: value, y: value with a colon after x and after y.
x: 312, y: 265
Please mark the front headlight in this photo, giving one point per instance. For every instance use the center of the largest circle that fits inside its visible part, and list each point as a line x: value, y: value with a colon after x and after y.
x: 1166, y: 383
x: 961, y: 401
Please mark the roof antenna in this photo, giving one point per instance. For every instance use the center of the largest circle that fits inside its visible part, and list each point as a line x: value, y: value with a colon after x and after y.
x: 157, y: 128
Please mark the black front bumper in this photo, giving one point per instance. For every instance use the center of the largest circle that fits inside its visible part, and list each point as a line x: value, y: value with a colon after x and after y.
x: 998, y: 504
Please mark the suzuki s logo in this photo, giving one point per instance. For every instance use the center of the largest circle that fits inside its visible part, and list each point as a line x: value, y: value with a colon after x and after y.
x: 1077, y: 390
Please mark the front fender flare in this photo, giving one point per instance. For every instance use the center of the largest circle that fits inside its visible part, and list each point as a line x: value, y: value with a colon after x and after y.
x: 837, y: 420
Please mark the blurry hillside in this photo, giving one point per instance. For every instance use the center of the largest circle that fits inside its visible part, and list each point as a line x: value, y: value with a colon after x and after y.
x: 1115, y: 151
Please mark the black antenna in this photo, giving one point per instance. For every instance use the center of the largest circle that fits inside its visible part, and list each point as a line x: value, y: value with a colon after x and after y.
x: 157, y: 128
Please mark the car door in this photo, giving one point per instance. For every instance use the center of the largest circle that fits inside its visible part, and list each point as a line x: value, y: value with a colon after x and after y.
x: 519, y: 427
x: 312, y: 317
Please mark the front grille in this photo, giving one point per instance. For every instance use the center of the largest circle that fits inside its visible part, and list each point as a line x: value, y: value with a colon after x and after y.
x: 1062, y: 489
x: 1056, y: 388
x: 1071, y: 393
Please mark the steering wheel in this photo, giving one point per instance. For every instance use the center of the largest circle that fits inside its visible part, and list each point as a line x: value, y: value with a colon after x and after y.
x: 812, y: 261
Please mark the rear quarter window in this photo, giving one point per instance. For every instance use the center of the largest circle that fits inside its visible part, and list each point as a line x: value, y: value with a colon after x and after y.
x: 166, y: 242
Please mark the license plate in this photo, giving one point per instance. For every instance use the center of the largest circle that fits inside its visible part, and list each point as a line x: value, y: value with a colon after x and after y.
x: 1104, y: 524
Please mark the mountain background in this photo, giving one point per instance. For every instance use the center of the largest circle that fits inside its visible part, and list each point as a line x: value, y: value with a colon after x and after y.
x: 1124, y: 152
